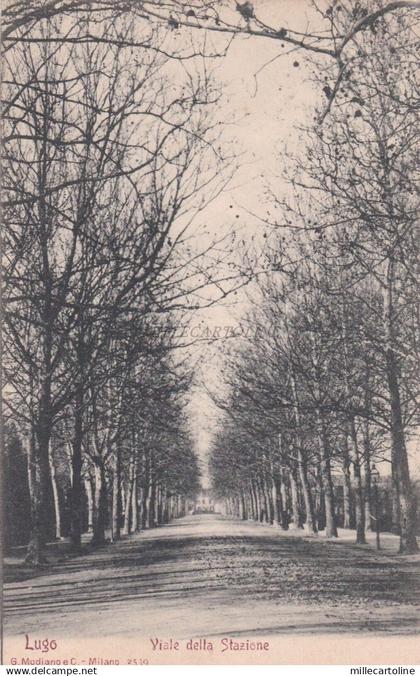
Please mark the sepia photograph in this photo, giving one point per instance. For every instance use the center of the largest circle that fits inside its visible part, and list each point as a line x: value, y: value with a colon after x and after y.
x: 210, y: 433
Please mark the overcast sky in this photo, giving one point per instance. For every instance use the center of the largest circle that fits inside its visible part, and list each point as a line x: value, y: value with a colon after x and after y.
x: 267, y: 89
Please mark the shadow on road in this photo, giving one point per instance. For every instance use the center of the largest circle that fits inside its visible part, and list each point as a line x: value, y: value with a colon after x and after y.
x: 228, y: 563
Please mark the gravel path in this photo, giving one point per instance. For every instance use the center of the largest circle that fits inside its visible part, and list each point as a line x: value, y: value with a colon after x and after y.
x: 206, y: 575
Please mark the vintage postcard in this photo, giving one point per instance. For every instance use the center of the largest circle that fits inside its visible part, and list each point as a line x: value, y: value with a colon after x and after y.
x: 210, y: 332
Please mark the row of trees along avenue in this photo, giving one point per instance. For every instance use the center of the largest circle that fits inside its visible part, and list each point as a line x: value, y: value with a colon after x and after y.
x: 110, y: 153
x: 111, y: 128
x: 323, y: 384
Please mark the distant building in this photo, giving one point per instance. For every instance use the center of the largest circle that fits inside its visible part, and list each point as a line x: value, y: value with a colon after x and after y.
x: 204, y: 503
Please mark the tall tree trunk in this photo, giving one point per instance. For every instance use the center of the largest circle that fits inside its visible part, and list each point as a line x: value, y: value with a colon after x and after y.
x: 145, y: 491
x: 140, y: 493
x: 395, y: 501
x: 295, y: 499
x: 116, y: 495
x: 358, y: 488
x: 128, y: 501
x: 263, y: 501
x: 159, y: 504
x: 37, y: 486
x: 276, y: 498
x: 40, y: 486
x: 367, y: 447
x: 320, y: 506
x: 352, y: 433
x: 182, y: 505
x: 127, y: 507
x: 174, y: 503
x: 166, y: 508
x: 280, y: 513
x: 145, y: 504
x: 407, y: 500
x: 76, y: 473
x: 284, y: 495
x: 244, y: 514
x: 100, y: 502
x: 42, y: 421
x: 89, y: 495
x: 309, y: 524
x: 251, y: 502
x: 270, y: 501
x: 56, y: 495
x: 135, y: 504
x: 152, y: 503
x: 327, y: 484
x: 368, y: 476
x: 256, y: 501
x: 269, y: 509
x: 347, y: 522
x: 248, y: 504
x: 359, y: 505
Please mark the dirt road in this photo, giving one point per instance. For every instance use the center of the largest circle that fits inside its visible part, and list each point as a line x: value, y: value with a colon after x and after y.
x: 206, y: 575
